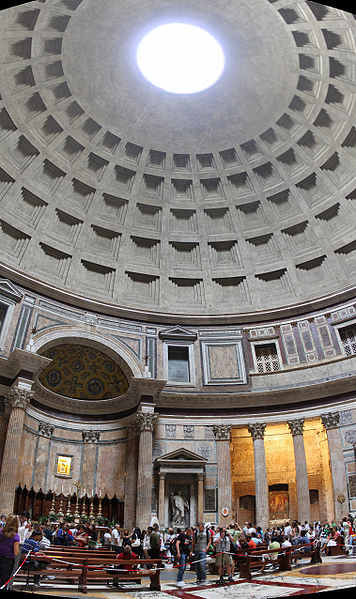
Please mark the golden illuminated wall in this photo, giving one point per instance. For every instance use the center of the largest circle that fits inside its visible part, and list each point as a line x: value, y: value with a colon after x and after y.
x: 281, y: 466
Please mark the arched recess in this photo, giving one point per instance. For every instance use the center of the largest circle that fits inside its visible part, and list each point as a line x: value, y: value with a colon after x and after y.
x: 127, y: 360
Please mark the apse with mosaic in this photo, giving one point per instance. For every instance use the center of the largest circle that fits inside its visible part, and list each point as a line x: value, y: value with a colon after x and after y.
x: 83, y: 373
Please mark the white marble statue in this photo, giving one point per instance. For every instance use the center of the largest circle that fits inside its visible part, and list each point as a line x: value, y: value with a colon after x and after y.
x: 179, y: 507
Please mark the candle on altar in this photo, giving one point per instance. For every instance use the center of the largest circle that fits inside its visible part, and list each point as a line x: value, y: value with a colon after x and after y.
x: 99, y: 492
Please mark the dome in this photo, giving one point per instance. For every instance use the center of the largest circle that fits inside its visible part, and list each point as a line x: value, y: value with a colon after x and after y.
x: 236, y: 200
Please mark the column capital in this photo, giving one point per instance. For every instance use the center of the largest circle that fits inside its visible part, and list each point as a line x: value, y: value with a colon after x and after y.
x: 330, y: 420
x: 90, y: 436
x: 201, y: 476
x: 162, y: 475
x: 257, y: 430
x: 20, y: 397
x: 145, y: 421
x: 222, y: 432
x: 45, y: 430
x: 296, y: 427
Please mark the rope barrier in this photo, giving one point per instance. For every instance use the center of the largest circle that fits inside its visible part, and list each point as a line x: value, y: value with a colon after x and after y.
x: 15, y: 573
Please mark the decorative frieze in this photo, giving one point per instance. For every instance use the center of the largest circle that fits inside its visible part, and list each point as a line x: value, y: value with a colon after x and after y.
x: 170, y: 430
x: 45, y: 429
x: 90, y: 436
x: 222, y: 432
x: 257, y: 430
x: 145, y: 422
x: 188, y: 431
x: 296, y: 426
x: 330, y: 420
x: 20, y: 398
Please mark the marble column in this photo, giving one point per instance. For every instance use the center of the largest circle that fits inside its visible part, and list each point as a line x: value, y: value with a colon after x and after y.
x: 4, y: 417
x: 337, y: 464
x: 131, y: 476
x: 261, y: 484
x: 162, y: 482
x: 40, y: 466
x: 19, y: 399
x: 301, y: 473
x: 88, y: 478
x: 145, y: 423
x: 200, y: 497
x: 222, y: 434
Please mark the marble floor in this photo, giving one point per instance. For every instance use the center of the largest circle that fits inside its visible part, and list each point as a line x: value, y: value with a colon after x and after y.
x: 334, y: 573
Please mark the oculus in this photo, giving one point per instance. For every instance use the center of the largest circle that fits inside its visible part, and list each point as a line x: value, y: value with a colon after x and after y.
x: 180, y: 58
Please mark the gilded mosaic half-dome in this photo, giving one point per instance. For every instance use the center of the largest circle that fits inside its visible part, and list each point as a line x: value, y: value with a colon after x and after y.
x: 82, y: 372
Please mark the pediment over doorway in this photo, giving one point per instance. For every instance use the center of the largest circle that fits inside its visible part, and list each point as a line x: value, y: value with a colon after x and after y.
x: 181, y: 456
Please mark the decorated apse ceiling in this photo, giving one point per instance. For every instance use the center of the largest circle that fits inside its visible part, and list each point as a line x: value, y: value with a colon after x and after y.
x: 229, y: 201
x: 82, y: 372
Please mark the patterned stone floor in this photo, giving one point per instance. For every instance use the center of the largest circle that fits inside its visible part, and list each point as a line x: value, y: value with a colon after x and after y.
x: 298, y: 582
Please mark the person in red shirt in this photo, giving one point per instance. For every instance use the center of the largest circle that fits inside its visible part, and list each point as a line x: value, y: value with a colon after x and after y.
x: 127, y: 554
x: 251, y: 544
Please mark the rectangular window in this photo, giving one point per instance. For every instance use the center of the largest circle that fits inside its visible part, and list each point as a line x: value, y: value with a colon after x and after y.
x: 348, y: 339
x: 210, y: 500
x: 267, y: 358
x: 178, y: 364
x: 3, y: 310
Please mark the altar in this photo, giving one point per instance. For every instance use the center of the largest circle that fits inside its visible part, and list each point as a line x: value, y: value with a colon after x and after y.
x: 181, y: 476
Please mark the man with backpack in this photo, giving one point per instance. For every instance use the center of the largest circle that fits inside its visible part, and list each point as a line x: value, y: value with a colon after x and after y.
x: 200, y: 548
x: 155, y: 543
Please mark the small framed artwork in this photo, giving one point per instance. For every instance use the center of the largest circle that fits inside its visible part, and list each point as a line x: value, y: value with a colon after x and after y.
x: 64, y: 466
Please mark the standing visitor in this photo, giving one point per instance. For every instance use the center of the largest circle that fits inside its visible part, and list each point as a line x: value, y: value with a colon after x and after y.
x: 184, y: 547
x: 224, y: 559
x: 9, y: 547
x: 201, y: 545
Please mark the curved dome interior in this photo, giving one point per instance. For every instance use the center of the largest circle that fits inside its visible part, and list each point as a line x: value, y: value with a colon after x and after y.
x: 82, y: 372
x: 232, y: 200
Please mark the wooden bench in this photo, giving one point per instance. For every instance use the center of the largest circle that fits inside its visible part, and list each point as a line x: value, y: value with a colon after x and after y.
x: 94, y: 569
x: 252, y: 560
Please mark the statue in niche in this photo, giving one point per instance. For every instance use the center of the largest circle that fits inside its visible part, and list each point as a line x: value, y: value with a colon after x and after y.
x: 179, y: 508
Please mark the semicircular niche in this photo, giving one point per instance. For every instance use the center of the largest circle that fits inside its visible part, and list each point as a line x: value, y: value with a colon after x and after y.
x: 82, y: 372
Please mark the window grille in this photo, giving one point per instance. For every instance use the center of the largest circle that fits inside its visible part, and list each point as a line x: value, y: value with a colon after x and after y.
x: 348, y: 339
x: 267, y: 358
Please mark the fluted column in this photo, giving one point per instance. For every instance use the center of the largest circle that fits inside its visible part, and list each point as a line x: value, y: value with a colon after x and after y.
x: 162, y: 481
x: 145, y: 423
x: 261, y: 484
x: 337, y: 465
x: 131, y: 476
x: 200, y: 497
x: 296, y: 427
x: 222, y: 434
x: 40, y: 466
x: 4, y: 417
x: 90, y: 441
x: 19, y: 399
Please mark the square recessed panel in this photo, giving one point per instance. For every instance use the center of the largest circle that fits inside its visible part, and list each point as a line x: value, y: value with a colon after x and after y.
x: 223, y: 362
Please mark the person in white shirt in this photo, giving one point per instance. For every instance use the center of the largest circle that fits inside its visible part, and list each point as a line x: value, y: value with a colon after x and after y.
x: 116, y: 542
x: 251, y: 531
x: 287, y: 529
x: 107, y: 537
x: 45, y: 543
x: 286, y: 543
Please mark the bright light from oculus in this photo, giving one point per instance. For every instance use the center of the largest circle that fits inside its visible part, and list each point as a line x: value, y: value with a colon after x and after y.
x: 180, y: 58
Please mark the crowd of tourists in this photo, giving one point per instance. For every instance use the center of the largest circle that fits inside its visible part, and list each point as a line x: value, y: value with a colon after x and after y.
x: 193, y: 545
